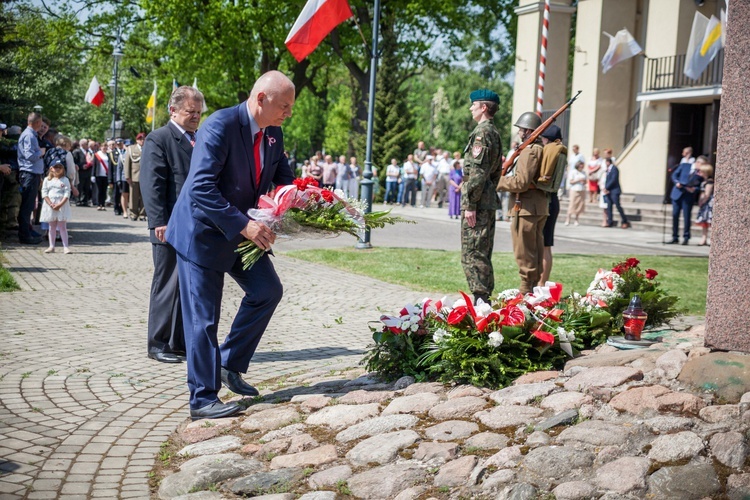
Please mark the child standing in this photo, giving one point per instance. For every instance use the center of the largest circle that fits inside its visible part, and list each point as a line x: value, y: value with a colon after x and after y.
x: 706, y: 202
x: 56, y: 208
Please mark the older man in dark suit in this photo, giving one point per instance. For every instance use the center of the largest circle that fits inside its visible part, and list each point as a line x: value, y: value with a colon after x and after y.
x: 238, y: 155
x: 686, y: 180
x: 165, y: 163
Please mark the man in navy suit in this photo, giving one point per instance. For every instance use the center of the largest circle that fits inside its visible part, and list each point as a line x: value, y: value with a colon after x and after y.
x: 684, y: 179
x: 238, y: 154
x: 612, y: 190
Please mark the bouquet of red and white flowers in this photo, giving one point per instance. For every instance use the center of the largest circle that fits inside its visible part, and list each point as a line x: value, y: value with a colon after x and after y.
x: 303, y: 207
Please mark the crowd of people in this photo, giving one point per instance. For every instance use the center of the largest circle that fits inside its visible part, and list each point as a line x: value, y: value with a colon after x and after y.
x: 43, y: 172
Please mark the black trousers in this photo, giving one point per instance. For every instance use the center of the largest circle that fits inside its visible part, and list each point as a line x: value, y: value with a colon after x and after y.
x: 84, y: 186
x: 165, y: 331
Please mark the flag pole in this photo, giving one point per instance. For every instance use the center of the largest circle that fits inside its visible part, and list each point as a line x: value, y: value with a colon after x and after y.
x: 542, y: 60
x: 367, y: 183
x: 153, y: 118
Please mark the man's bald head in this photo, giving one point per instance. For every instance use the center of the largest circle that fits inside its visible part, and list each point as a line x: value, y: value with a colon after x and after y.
x: 272, y: 99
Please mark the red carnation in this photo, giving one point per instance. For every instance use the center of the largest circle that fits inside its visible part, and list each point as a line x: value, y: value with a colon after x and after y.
x: 619, y: 269
x: 327, y: 195
x: 651, y: 274
x: 632, y: 262
x: 545, y: 337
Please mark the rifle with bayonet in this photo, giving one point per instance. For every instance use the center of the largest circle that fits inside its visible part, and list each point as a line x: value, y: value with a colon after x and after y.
x: 536, y: 133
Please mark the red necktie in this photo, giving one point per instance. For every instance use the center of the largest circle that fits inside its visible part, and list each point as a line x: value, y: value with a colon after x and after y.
x: 256, y: 150
x: 191, y: 138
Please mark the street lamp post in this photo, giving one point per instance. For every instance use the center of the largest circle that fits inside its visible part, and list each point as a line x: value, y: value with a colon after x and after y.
x: 116, y: 55
x: 38, y: 109
x: 367, y: 183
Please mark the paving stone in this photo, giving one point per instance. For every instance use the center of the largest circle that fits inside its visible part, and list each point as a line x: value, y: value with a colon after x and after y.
x: 420, y: 387
x: 486, y: 441
x: 536, y: 377
x: 200, y: 473
x: 725, y: 374
x: 301, y: 442
x: 268, y: 420
x: 433, y: 451
x: 377, y: 425
x: 363, y: 397
x: 562, y: 401
x: 403, y: 382
x: 214, y: 446
x: 671, y: 362
x: 420, y: 402
x: 462, y: 391
x: 412, y: 493
x: 457, y: 408
x: 624, y: 475
x: 729, y: 448
x: 319, y: 495
x: 639, y: 399
x: 330, y: 477
x: 498, y: 479
x: 502, y: 417
x: 738, y: 487
x: 667, y: 424
x: 314, y: 403
x: 596, y: 433
x: 341, y: 416
x: 315, y: 457
x: 686, y: 482
x: 382, y: 448
x: 386, y: 481
x: 565, y: 418
x: 574, y: 490
x: 507, y: 457
x: 603, y: 376
x: 721, y: 413
x: 680, y: 402
x: 456, y: 472
x: 284, y: 432
x: 263, y: 482
x: 674, y: 447
x: 451, y: 430
x: 522, y: 394
x: 556, y: 462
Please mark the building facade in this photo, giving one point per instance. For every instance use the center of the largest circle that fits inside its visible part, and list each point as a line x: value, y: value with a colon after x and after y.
x: 645, y: 109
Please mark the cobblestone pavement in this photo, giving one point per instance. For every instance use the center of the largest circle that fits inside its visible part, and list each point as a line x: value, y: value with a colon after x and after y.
x: 83, y: 411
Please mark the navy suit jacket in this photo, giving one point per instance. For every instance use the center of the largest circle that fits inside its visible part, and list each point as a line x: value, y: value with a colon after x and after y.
x: 165, y: 163
x: 212, y: 207
x: 683, y: 175
x: 612, y: 181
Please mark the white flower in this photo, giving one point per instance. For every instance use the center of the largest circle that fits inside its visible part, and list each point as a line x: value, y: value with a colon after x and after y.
x: 459, y: 303
x: 415, y: 318
x: 482, y: 308
x: 339, y: 193
x: 506, y: 295
x: 440, y: 335
x: 495, y: 339
x: 414, y: 327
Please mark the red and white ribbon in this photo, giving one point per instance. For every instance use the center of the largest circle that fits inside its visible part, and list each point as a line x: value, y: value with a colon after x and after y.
x: 542, y: 60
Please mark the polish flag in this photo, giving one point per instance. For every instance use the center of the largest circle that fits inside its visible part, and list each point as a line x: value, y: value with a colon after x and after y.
x: 95, y: 94
x: 317, y: 19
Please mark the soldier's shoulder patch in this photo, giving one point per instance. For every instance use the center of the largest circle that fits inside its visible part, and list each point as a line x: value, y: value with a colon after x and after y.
x: 476, y: 150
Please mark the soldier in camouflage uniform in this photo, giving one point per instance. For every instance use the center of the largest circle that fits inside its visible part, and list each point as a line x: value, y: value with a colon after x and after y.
x: 482, y: 167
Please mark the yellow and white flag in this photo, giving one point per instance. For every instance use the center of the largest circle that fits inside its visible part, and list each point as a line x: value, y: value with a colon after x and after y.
x: 622, y: 46
x: 705, y: 42
x: 151, y: 107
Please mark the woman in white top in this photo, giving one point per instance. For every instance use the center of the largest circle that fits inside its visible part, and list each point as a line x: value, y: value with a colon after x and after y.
x: 577, y: 189
x: 101, y: 168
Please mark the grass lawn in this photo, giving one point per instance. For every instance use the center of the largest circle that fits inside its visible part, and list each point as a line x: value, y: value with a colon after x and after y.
x: 7, y: 283
x: 439, y: 272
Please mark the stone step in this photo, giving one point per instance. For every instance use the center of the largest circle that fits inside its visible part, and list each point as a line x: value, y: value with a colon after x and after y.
x: 654, y: 217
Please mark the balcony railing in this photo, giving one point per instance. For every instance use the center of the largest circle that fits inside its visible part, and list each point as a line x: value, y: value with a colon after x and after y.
x: 631, y: 128
x: 665, y: 73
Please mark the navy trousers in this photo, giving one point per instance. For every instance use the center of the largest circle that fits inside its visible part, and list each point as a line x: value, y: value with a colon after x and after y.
x: 684, y: 205
x: 29, y: 186
x: 201, y: 292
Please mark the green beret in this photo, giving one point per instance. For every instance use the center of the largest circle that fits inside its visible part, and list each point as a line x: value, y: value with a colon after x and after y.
x: 484, y: 95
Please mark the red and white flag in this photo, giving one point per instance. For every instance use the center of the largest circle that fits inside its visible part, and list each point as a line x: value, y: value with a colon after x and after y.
x: 95, y: 94
x: 317, y: 19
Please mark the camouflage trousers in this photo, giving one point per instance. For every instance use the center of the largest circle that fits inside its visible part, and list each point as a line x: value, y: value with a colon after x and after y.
x: 476, y: 252
x: 10, y: 201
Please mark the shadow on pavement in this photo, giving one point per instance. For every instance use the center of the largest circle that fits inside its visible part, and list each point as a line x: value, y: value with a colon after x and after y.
x: 305, y: 354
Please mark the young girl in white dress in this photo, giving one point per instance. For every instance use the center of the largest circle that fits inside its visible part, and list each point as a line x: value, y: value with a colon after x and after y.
x: 56, y: 208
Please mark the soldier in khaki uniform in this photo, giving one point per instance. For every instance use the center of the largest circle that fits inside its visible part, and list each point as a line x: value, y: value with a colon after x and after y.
x: 482, y: 167
x: 528, y: 206
x: 132, y: 172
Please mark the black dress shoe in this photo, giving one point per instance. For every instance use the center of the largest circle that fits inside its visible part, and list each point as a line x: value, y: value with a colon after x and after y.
x: 165, y: 357
x: 233, y: 381
x: 216, y: 410
x: 684, y: 242
x: 673, y: 242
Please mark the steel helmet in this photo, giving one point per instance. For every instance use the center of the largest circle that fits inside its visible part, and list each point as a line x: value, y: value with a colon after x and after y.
x: 528, y: 120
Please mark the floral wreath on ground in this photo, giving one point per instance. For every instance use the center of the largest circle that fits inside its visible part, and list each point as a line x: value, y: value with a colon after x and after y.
x: 491, y: 344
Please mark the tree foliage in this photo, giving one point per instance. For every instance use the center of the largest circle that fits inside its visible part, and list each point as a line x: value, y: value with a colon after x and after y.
x: 428, y: 49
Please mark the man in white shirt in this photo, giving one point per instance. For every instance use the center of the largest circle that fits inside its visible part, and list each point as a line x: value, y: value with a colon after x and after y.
x: 428, y: 175
x: 410, y: 182
x: 443, y: 176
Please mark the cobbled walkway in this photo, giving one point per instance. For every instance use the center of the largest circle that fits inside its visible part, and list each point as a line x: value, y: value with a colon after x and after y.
x: 83, y: 411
